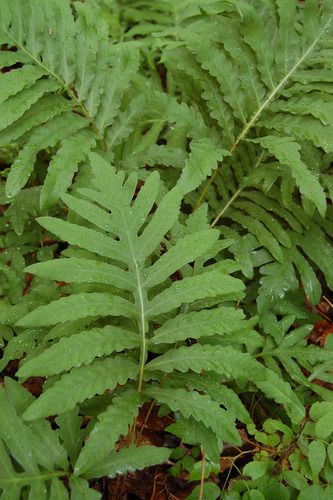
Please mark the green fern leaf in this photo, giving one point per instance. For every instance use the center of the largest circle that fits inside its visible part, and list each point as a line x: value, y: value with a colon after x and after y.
x: 221, y: 321
x: 70, y: 432
x: 64, y: 165
x: 279, y: 390
x: 43, y: 138
x: 201, y: 407
x: 128, y: 460
x: 59, y: 48
x: 44, y: 110
x: 287, y: 152
x: 80, y: 490
x: 78, y: 306
x: 196, y: 433
x: 79, y: 349
x: 209, y: 284
x: 125, y: 62
x: 11, y: 84
x: 186, y: 250
x: 27, y: 451
x: 80, y: 270
x: 111, y: 424
x: 219, y: 359
x: 68, y: 391
x: 16, y: 106
x: 84, y: 237
x: 212, y: 385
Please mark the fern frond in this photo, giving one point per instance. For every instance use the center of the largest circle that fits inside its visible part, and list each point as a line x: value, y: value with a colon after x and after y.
x: 201, y: 407
x: 111, y: 424
x: 228, y: 362
x: 59, y: 50
x: 276, y: 388
x: 128, y: 460
x: 273, y: 62
x: 224, y: 321
x: 120, y: 233
x: 31, y: 456
x: 68, y: 391
x: 80, y: 349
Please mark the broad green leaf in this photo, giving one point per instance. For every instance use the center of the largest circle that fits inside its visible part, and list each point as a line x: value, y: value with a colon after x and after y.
x: 110, y: 425
x: 63, y: 166
x: 278, y: 389
x: 253, y: 495
x: 256, y: 469
x: 69, y: 390
x: 315, y: 491
x: 80, y: 489
x: 209, y: 284
x: 78, y: 306
x: 186, y: 250
x: 287, y: 152
x: 197, y: 324
x: 330, y: 452
x: 80, y: 270
x: 201, y: 407
x: 324, y: 426
x: 295, y: 479
x: 79, y: 349
x: 58, y: 490
x: 210, y: 492
x: 128, y: 460
x: 70, y: 432
x: 226, y: 360
x: 317, y: 456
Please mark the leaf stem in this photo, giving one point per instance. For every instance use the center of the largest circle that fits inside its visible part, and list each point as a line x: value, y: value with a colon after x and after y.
x: 225, y: 208
x: 202, y: 479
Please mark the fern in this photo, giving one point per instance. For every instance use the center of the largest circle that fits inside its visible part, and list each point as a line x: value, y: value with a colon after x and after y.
x: 253, y: 71
x: 60, y: 91
x: 113, y: 118
x: 123, y: 245
x: 38, y: 459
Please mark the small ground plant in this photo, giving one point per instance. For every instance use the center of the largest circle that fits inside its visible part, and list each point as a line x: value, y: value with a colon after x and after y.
x: 166, y: 228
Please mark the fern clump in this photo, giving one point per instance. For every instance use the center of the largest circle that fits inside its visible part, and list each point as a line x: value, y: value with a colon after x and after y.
x: 261, y: 74
x: 166, y: 236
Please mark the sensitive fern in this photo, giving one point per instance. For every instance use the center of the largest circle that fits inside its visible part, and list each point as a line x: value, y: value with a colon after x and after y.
x: 128, y: 292
x: 254, y: 71
x: 63, y: 87
x: 118, y: 122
